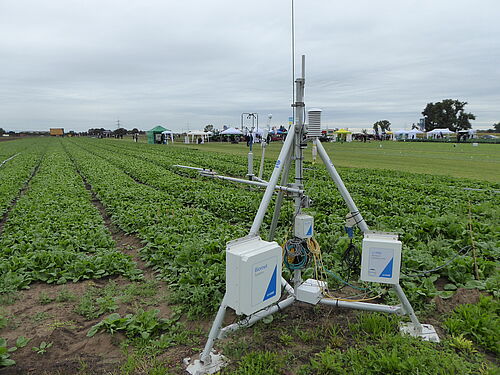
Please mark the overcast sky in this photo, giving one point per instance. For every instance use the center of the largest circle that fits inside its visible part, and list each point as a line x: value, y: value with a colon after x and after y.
x: 180, y: 64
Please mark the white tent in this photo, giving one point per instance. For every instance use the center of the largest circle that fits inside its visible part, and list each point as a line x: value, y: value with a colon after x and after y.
x: 199, y: 133
x: 231, y: 131
x: 168, y: 134
x: 412, y: 134
x: 470, y: 132
x: 401, y: 132
x: 439, y: 132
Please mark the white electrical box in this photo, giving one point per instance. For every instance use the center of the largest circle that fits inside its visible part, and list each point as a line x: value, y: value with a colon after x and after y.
x: 381, y: 258
x: 311, y: 291
x: 303, y: 226
x: 253, y: 274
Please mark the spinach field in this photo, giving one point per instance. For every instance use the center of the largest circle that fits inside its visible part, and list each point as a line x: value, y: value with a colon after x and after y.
x: 107, y: 237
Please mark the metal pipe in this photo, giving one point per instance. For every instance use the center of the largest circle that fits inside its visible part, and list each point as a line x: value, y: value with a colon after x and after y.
x: 188, y: 167
x: 298, y: 155
x: 259, y: 217
x: 256, y: 317
x: 6, y: 160
x: 258, y: 179
x: 287, y: 286
x: 214, y: 332
x: 340, y: 185
x: 279, y: 199
x: 250, y: 161
x: 261, y: 166
x: 362, y: 306
x: 261, y: 183
x: 257, y: 183
x: 303, y: 66
x: 299, y: 127
x: 407, y: 307
x: 314, y: 152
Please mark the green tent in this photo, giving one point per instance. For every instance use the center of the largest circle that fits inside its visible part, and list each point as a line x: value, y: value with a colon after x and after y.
x: 153, y: 132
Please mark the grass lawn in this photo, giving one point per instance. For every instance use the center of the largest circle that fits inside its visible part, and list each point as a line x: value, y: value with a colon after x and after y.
x: 457, y: 160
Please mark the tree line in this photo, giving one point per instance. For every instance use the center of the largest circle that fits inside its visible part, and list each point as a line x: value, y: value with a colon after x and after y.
x: 448, y: 113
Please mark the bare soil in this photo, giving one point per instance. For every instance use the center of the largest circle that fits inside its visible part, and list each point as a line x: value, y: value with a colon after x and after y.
x: 460, y: 297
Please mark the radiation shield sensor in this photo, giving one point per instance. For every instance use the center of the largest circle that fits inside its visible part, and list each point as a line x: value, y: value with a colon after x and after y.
x: 381, y: 258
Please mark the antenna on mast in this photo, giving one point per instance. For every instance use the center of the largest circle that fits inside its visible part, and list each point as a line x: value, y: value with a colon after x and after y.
x: 293, y: 57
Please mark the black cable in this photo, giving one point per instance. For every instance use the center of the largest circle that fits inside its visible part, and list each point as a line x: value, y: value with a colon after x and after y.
x: 353, y: 215
x: 351, y: 259
x: 458, y: 254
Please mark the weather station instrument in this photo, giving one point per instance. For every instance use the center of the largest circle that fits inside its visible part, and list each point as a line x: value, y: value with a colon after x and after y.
x: 254, y: 266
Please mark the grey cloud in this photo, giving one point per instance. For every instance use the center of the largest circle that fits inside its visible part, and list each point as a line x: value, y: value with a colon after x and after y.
x: 86, y: 63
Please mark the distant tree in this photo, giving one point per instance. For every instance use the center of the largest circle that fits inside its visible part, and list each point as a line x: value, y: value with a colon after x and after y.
x: 414, y: 126
x: 120, y: 131
x: 2, y: 131
x: 497, y: 127
x: 209, y: 128
x: 96, y: 131
x: 384, y: 126
x: 448, y: 114
x: 133, y: 131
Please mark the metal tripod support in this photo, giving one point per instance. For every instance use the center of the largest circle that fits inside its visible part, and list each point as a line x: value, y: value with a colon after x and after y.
x: 292, y: 149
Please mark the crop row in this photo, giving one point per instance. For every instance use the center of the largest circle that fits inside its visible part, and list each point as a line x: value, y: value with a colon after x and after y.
x: 8, y: 149
x: 236, y: 204
x: 55, y: 234
x: 185, y: 220
x: 435, y: 215
x: 185, y: 245
x: 13, y: 175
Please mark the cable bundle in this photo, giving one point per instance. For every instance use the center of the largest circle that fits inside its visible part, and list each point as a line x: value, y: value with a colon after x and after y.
x: 351, y: 259
x: 296, y: 254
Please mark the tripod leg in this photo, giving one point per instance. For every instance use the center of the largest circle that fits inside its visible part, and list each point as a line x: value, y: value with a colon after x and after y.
x: 214, y: 332
x: 417, y: 328
x: 279, y: 199
x: 264, y: 203
x: 340, y: 185
x: 407, y: 307
x: 277, y: 211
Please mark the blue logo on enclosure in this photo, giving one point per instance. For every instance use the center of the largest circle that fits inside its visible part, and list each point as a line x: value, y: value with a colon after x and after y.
x: 260, y: 268
x: 278, y: 162
x: 271, y: 288
x: 387, y: 272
